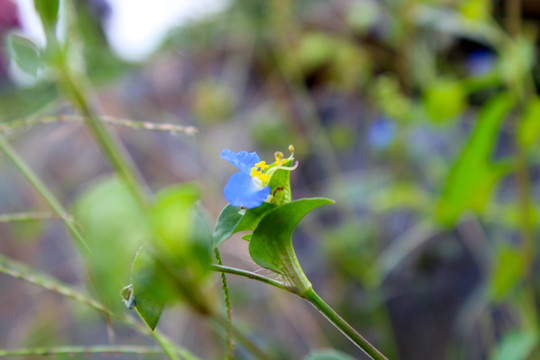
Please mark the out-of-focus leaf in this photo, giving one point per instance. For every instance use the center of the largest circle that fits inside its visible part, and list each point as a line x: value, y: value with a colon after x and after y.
x: 23, y: 102
x: 114, y: 227
x: 477, y: 10
x: 181, y: 238
x: 328, y: 354
x: 25, y: 53
x: 516, y: 345
x: 445, y: 100
x: 507, y: 271
x: 150, y: 290
x: 362, y: 15
x: 529, y: 126
x: 48, y: 11
x: 517, y: 59
x: 233, y: 219
x: 473, y: 177
x: 271, y: 243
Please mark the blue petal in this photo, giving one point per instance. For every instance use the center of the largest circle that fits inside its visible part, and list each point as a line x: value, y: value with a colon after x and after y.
x: 244, y: 161
x: 242, y: 191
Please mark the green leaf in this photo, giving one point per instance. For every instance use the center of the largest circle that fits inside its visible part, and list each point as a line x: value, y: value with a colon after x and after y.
x: 508, y: 269
x: 150, y: 291
x: 114, y: 228
x: 183, y: 238
x: 445, y: 100
x: 48, y: 12
x: 271, y: 242
x: 516, y: 345
x: 25, y: 53
x: 280, y: 185
x: 328, y: 354
x: 233, y: 219
x: 473, y: 177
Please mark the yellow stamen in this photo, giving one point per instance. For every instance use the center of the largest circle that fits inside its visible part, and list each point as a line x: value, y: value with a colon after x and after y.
x: 279, y: 158
x: 262, y: 165
x: 291, y: 148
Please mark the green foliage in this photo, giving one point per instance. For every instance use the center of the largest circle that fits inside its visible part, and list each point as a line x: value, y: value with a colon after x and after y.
x: 48, y: 12
x: 114, y: 227
x: 529, y: 125
x: 508, y: 269
x: 445, y: 100
x: 516, y: 345
x: 271, y: 244
x: 25, y: 53
x: 474, y: 176
x: 233, y: 219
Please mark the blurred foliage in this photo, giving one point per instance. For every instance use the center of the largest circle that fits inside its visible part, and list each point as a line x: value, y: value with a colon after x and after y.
x: 420, y: 117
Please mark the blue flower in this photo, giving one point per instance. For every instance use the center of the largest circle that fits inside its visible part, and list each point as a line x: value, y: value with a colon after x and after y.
x: 248, y: 187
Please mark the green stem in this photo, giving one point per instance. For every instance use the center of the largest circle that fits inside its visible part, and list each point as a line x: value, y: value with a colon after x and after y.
x: 82, y: 350
x: 228, y: 308
x: 44, y: 191
x: 111, y: 147
x: 254, y: 276
x: 29, y: 216
x: 342, y: 325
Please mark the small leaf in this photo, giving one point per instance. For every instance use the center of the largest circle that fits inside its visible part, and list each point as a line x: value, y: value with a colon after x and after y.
x: 25, y: 53
x: 150, y: 291
x: 232, y: 220
x: 508, y: 270
x: 516, y: 345
x: 271, y: 242
x: 328, y: 354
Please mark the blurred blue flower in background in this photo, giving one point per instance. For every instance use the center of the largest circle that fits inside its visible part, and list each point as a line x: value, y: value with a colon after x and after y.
x: 481, y: 62
x: 381, y: 133
x: 248, y: 187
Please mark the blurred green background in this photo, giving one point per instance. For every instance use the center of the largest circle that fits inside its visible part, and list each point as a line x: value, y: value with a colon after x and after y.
x: 419, y: 117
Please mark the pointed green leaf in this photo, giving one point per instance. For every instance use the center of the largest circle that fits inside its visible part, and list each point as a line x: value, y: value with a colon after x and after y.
x: 473, y: 177
x: 233, y: 219
x: 271, y: 242
x: 25, y: 53
x: 149, y: 290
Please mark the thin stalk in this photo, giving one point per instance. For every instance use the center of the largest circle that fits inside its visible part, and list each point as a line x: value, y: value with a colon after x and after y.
x: 343, y: 326
x: 111, y: 147
x: 29, y: 216
x: 43, y: 190
x: 82, y: 350
x: 127, y: 123
x: 254, y: 276
x: 228, y: 308
x: 22, y: 272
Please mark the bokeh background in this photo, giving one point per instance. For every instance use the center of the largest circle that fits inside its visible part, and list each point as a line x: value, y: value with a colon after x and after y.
x: 396, y: 109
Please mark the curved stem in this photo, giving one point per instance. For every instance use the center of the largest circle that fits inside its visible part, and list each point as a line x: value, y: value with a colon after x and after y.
x: 253, y: 276
x: 342, y: 325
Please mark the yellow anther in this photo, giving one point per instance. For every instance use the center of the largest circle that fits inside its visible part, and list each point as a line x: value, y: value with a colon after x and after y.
x: 262, y: 165
x: 291, y: 148
x: 255, y: 173
x: 279, y: 158
x: 264, y: 177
